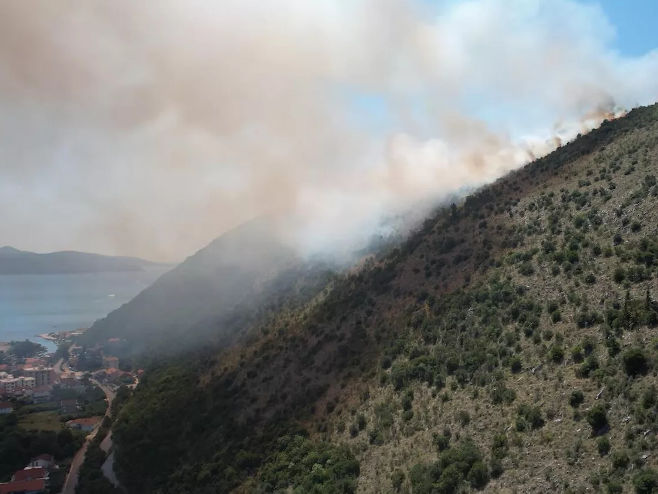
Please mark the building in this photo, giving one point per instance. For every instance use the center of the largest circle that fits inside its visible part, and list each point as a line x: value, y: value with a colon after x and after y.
x: 86, y: 424
x: 35, y: 362
x: 31, y: 473
x: 10, y: 385
x: 44, y: 461
x: 43, y: 376
x: 6, y: 407
x: 32, y: 486
x: 41, y: 394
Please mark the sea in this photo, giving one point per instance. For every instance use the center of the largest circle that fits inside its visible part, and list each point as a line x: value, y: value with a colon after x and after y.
x: 34, y: 304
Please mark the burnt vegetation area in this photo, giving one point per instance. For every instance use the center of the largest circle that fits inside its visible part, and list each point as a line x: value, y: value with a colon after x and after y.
x: 512, y: 333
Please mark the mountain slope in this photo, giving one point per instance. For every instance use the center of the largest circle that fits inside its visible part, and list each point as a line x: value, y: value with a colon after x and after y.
x: 510, y: 343
x: 14, y: 261
x: 212, y: 293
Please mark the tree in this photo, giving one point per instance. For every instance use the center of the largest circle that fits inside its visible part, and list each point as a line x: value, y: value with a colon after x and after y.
x: 635, y: 362
x: 597, y: 418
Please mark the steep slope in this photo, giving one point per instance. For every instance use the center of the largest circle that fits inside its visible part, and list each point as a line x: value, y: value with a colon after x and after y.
x: 14, y: 261
x: 221, y: 288
x: 510, y: 344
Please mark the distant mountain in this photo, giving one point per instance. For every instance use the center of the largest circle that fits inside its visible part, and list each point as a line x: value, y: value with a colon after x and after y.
x: 14, y: 261
x: 223, y: 288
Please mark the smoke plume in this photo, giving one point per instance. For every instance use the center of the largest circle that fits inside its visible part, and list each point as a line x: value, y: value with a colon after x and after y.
x: 148, y: 128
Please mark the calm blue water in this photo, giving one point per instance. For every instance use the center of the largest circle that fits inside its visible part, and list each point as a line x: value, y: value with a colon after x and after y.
x: 34, y: 304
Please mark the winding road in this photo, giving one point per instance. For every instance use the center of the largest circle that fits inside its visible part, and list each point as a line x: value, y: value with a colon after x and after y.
x: 72, y: 477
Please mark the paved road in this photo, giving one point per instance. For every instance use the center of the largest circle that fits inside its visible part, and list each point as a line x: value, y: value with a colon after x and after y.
x: 72, y: 477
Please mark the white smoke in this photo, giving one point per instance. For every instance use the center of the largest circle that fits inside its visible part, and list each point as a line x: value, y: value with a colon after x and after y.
x: 148, y: 128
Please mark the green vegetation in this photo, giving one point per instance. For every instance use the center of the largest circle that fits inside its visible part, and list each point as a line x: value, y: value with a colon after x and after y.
x: 456, y: 465
x: 26, y: 348
x: 18, y: 446
x: 492, y: 349
x: 309, y: 467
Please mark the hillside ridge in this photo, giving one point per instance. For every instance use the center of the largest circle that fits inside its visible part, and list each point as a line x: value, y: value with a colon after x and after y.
x: 509, y: 344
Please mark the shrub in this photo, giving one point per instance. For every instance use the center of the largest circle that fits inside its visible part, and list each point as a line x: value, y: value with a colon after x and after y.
x: 531, y: 415
x: 397, y: 479
x: 614, y: 487
x: 499, y: 446
x: 516, y: 365
x: 635, y: 362
x: 576, y: 399
x: 556, y: 354
x: 587, y: 367
x: 496, y: 468
x: 649, y: 397
x: 463, y: 418
x: 526, y: 268
x: 603, y: 446
x: 442, y: 441
x: 478, y: 475
x: 619, y: 460
x: 577, y: 353
x: 407, y: 400
x: 646, y: 481
x: 597, y: 418
x: 619, y: 275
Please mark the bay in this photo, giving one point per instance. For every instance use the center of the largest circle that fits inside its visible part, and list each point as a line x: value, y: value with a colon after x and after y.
x: 35, y: 304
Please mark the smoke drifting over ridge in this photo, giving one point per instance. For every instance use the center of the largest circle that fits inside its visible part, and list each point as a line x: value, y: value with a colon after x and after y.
x: 149, y: 128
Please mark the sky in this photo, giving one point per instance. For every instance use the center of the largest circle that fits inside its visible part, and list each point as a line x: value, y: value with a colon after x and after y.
x: 149, y: 129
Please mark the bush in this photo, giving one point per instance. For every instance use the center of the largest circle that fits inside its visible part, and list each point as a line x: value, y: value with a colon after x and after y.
x: 620, y: 460
x: 576, y: 398
x: 496, y: 468
x: 603, y: 446
x: 442, y: 441
x: 556, y: 354
x: 397, y: 479
x: 649, y: 397
x: 556, y: 316
x: 499, y: 446
x: 531, y: 415
x: 463, y: 417
x: 516, y: 365
x: 619, y: 275
x: 635, y: 362
x: 646, y: 481
x: 407, y: 400
x: 478, y: 475
x: 597, y: 418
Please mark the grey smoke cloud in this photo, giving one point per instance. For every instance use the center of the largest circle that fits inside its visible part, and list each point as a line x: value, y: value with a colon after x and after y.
x: 148, y: 128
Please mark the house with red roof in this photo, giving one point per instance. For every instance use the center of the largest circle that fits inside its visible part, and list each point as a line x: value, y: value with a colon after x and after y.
x: 30, y: 473
x: 32, y: 486
x: 85, y: 424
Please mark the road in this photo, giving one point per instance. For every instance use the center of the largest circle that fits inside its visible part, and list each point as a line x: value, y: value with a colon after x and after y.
x: 72, y: 477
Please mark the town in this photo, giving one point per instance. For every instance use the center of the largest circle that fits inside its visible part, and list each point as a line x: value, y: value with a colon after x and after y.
x: 52, y: 406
